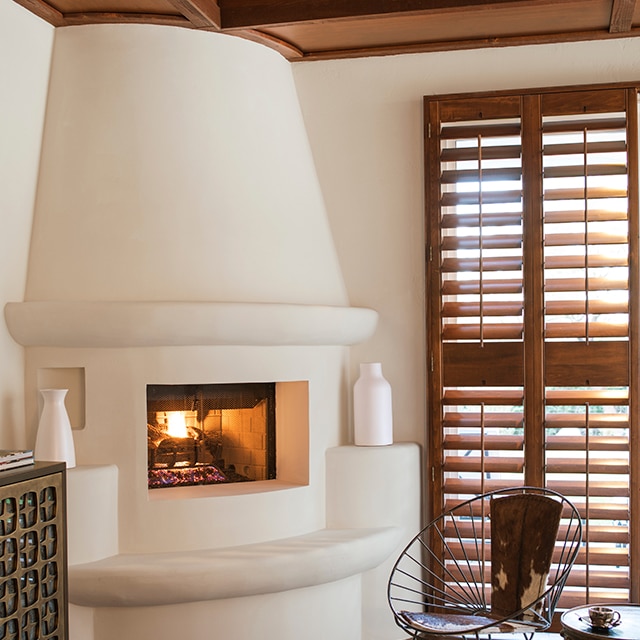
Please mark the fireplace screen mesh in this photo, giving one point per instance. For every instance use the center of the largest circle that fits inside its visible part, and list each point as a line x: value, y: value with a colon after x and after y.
x: 210, y: 433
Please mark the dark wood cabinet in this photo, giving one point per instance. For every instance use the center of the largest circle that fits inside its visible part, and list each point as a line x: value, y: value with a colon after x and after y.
x: 33, y: 557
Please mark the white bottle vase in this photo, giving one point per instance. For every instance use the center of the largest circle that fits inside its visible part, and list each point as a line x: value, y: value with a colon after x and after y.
x: 372, y: 414
x: 54, y: 441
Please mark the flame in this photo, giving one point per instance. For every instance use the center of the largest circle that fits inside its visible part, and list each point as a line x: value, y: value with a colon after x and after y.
x: 176, y: 424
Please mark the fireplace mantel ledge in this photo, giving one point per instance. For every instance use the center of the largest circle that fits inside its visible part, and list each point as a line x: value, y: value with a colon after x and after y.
x: 166, y: 323
x: 153, y: 579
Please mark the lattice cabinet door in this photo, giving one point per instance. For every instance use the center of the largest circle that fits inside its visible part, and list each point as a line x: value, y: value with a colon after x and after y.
x: 33, y: 553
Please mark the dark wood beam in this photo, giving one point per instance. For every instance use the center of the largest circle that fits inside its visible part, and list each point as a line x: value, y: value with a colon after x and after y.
x: 98, y: 17
x: 238, y: 14
x: 466, y: 45
x: 621, y: 16
x: 200, y: 13
x: 284, y: 48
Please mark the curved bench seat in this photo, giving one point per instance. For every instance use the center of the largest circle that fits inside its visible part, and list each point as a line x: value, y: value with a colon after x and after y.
x: 151, y: 579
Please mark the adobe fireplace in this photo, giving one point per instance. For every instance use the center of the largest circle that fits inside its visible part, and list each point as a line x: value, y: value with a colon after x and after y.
x: 253, y: 292
x: 199, y: 434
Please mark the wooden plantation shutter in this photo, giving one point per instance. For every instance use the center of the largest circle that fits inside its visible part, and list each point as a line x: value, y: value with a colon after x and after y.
x: 532, y: 264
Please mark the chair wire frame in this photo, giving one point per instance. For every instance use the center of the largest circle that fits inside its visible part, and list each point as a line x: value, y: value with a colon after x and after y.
x: 445, y: 569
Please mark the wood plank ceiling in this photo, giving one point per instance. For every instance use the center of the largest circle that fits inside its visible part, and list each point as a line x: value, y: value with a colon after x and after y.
x: 327, y: 29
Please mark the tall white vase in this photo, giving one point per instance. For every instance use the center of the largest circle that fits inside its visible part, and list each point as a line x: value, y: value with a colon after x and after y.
x: 54, y: 441
x: 372, y: 414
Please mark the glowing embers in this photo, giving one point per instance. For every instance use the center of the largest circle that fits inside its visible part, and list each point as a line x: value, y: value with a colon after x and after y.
x: 210, y: 434
x: 202, y: 474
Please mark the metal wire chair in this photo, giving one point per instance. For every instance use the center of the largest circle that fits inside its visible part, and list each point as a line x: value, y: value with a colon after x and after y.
x: 443, y: 583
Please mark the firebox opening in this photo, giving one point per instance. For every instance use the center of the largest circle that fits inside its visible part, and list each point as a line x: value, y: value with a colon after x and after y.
x: 203, y: 434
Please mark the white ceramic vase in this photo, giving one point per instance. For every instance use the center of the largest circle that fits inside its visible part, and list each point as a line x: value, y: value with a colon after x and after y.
x: 54, y: 441
x: 372, y: 414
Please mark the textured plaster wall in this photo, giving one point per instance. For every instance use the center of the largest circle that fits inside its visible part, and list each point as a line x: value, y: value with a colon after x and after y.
x: 25, y: 53
x: 364, y: 122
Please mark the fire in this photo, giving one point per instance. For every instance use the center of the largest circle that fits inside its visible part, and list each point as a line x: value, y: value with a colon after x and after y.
x: 176, y: 424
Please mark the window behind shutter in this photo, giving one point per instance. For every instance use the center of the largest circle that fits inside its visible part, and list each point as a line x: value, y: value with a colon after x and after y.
x: 531, y: 255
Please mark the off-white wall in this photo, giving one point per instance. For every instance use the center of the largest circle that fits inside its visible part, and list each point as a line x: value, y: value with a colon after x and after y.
x: 364, y: 122
x: 25, y: 54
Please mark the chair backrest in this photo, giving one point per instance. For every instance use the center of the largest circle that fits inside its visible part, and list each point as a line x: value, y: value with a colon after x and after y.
x: 524, y: 528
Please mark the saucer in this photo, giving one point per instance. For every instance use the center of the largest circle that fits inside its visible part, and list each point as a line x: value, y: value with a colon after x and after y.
x: 597, y: 627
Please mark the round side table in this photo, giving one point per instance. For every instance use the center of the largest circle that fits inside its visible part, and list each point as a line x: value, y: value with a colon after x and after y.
x: 573, y: 628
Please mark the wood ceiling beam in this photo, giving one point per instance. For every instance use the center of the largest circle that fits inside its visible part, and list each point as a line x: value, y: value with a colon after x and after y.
x: 466, y: 45
x: 200, y: 13
x: 284, y: 48
x: 239, y: 14
x: 621, y: 16
x: 102, y: 17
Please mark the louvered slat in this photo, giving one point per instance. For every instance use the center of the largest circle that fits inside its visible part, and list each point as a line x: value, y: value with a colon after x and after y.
x: 568, y: 149
x: 593, y: 465
x: 483, y: 130
x: 580, y: 215
x: 584, y: 284
x: 464, y: 220
x: 575, y: 239
x: 605, y: 578
x: 580, y: 124
x: 596, y: 421
x: 476, y: 442
x: 618, y: 259
x: 584, y: 193
x: 462, y: 287
x: 495, y: 241
x: 592, y: 397
x: 461, y: 309
x: 572, y: 307
x: 583, y: 329
x: 477, y: 175
x: 600, y: 488
x: 499, y: 263
x: 569, y: 171
x: 461, y: 154
x: 503, y: 331
x: 452, y: 199
x: 484, y: 464
x: 483, y: 396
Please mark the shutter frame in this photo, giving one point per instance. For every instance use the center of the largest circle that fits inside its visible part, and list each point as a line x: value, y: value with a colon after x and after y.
x: 498, y: 348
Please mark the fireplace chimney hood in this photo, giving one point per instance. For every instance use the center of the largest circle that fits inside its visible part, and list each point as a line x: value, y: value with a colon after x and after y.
x: 177, y: 201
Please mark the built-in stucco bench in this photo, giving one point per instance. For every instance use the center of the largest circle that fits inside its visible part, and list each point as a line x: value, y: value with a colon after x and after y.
x: 151, y: 579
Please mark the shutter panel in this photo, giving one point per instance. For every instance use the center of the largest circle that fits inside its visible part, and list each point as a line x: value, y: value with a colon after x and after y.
x: 586, y: 301
x: 531, y: 350
x: 478, y: 248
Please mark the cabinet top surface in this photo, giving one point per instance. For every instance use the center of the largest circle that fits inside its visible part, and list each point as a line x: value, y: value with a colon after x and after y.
x: 35, y: 470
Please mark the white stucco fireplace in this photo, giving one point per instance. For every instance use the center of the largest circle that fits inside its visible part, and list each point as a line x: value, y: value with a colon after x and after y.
x: 184, y: 240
